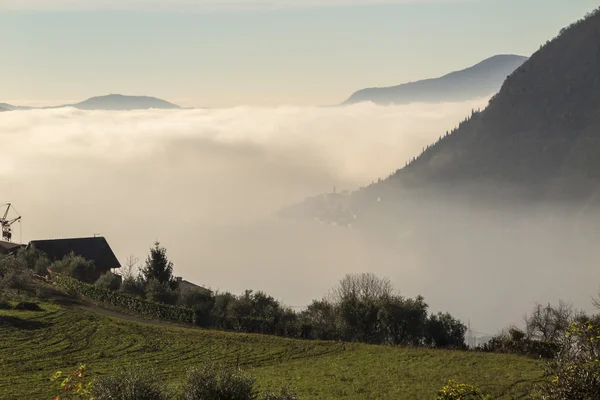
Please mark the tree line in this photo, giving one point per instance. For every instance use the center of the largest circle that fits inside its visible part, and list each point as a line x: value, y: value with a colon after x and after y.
x: 360, y: 308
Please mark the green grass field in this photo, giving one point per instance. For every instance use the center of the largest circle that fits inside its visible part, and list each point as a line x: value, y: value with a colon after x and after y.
x: 33, y: 345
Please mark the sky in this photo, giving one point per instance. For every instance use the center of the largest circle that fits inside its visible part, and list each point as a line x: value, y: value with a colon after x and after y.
x: 207, y: 53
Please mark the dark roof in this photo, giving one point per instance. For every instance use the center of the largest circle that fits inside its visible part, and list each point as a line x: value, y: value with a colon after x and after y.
x: 92, y: 248
x: 9, y: 247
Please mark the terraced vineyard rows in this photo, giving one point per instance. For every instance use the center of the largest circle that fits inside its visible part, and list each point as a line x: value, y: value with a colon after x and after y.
x: 35, y: 344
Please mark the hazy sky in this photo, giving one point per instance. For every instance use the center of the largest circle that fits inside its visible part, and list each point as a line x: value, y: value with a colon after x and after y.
x: 223, y: 53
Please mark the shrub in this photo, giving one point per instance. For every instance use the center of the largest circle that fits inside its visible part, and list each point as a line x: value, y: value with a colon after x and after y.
x: 442, y: 330
x: 218, y: 383
x: 160, y: 292
x: 13, y: 274
x: 129, y: 384
x: 109, y: 281
x: 285, y: 394
x: 517, y: 342
x: 73, y: 385
x: 135, y: 304
x: 460, y: 391
x: 575, y: 371
x: 192, y: 297
x: 34, y: 259
x: 76, y: 267
x: 132, y: 286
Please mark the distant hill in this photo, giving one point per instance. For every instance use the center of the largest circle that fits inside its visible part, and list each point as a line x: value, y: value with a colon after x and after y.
x: 109, y: 102
x: 121, y: 102
x: 542, y: 130
x: 479, y: 80
x: 10, y: 107
x: 4, y: 109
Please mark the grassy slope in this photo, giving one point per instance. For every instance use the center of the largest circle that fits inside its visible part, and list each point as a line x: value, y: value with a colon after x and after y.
x: 35, y: 344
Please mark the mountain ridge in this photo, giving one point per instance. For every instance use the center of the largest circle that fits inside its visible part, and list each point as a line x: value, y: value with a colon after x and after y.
x: 481, y: 79
x: 110, y: 102
x: 542, y: 129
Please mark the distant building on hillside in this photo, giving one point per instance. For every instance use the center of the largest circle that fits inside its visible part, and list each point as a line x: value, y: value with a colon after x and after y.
x: 95, y: 249
x: 183, y: 284
x: 9, y: 247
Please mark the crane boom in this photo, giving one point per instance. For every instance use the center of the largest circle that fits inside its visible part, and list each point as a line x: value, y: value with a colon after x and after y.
x: 6, y: 212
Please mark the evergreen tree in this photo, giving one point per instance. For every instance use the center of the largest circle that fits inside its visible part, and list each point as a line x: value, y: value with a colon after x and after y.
x: 158, y: 266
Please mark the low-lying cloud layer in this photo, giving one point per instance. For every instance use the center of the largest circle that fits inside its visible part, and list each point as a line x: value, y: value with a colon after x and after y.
x: 204, y: 183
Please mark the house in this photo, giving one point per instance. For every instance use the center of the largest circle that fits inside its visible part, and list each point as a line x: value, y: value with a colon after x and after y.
x: 183, y: 284
x: 9, y: 247
x: 95, y: 249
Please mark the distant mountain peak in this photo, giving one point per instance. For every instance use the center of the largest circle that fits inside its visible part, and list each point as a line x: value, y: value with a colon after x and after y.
x: 111, y: 102
x: 115, y: 101
x: 481, y: 79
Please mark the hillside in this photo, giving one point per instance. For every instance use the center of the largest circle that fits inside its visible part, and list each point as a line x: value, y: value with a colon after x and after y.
x: 3, y: 109
x: 482, y: 79
x: 33, y: 345
x: 540, y: 133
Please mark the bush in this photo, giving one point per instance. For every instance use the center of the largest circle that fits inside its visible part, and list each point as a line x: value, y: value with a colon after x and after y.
x: 132, y: 286
x: 13, y: 274
x: 284, y: 394
x: 444, y: 331
x: 160, y: 292
x: 109, y: 281
x: 192, y: 297
x: 218, y: 383
x: 129, y: 384
x: 135, y: 304
x: 460, y: 391
x: 517, y: 342
x: 76, y: 267
x: 575, y: 372
x: 73, y: 385
x: 34, y: 259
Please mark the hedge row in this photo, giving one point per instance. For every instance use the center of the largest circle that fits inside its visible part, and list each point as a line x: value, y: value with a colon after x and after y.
x: 135, y: 304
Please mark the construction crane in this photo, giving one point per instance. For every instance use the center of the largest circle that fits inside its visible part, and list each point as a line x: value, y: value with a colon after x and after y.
x: 7, y: 223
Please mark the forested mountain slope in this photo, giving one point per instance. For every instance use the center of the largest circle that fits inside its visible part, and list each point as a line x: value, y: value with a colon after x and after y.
x: 541, y: 130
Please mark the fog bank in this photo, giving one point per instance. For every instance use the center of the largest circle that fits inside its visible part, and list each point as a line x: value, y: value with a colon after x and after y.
x: 205, y: 182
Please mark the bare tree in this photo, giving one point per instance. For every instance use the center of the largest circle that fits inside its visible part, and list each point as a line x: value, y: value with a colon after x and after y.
x: 365, y: 287
x: 548, y: 323
x: 131, y: 269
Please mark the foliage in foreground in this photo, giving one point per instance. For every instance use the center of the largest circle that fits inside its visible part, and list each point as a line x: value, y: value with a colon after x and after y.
x: 575, y: 371
x: 75, y: 385
x: 218, y: 383
x: 210, y: 382
x: 460, y: 391
x: 129, y: 384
